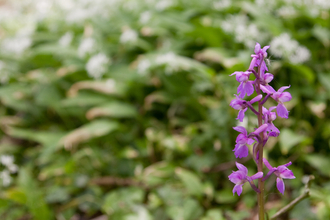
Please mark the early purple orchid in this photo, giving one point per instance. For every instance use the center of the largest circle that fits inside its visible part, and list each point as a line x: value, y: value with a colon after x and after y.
x: 245, y: 86
x: 243, y: 139
x: 282, y: 172
x: 242, y: 106
x: 240, y: 177
x: 279, y: 97
x: 265, y: 129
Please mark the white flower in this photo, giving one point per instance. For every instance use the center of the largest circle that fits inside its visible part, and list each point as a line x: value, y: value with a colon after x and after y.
x: 163, y: 4
x: 246, y: 33
x: 7, y: 160
x: 284, y: 46
x: 66, y: 39
x: 110, y: 84
x: 16, y: 45
x: 301, y: 55
x: 145, y: 17
x: 287, y: 11
x: 143, y: 66
x: 5, y: 176
x: 128, y: 36
x: 86, y: 47
x: 222, y: 4
x: 97, y: 65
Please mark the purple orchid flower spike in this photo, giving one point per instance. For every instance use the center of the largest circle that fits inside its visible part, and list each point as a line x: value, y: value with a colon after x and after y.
x: 282, y: 172
x: 280, y: 96
x: 243, y: 139
x: 245, y: 86
x: 242, y: 106
x: 240, y: 177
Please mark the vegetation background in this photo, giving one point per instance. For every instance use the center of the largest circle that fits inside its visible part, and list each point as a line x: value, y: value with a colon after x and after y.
x: 119, y: 109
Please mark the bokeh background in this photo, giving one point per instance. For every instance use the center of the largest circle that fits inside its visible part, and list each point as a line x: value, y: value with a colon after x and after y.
x: 119, y: 109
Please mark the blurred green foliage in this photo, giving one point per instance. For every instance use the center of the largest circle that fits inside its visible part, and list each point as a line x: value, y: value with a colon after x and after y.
x: 120, y: 109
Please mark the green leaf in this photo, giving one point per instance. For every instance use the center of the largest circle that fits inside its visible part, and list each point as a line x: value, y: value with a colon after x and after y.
x: 94, y: 129
x: 319, y: 162
x: 213, y: 214
x: 324, y: 79
x: 190, y: 180
x: 122, y: 200
x: 34, y: 199
x: 289, y: 139
x: 113, y: 109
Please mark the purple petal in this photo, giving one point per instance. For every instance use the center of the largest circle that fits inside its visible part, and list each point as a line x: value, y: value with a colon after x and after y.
x: 256, y: 99
x: 267, y: 164
x: 283, y: 88
x: 249, y: 141
x: 261, y: 129
x: 240, y: 129
x: 257, y: 48
x: 263, y: 68
x: 238, y: 189
x: 236, y: 177
x: 241, y: 151
x: 249, y: 88
x: 257, y: 176
x: 268, y: 77
x: 241, y: 114
x: 272, y: 108
x: 285, y: 97
x: 273, y: 134
x: 242, y: 168
x: 253, y: 63
x: 237, y: 104
x: 240, y: 90
x: 242, y: 77
x: 282, y: 111
x: 265, y: 48
x: 265, y: 89
x: 241, y: 139
x: 280, y: 185
x: 287, y: 174
x: 272, y: 127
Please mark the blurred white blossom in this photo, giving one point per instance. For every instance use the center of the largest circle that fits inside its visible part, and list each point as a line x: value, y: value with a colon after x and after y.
x: 284, y: 46
x: 111, y: 84
x: 143, y: 66
x: 66, y: 39
x: 8, y: 162
x: 16, y: 45
x: 242, y: 30
x: 86, y: 47
x: 145, y: 17
x: 9, y: 167
x: 97, y: 65
x: 161, y: 5
x: 5, y: 177
x: 222, y: 4
x: 128, y: 36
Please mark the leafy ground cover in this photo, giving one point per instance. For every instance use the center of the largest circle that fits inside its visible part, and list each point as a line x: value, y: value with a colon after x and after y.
x: 120, y: 109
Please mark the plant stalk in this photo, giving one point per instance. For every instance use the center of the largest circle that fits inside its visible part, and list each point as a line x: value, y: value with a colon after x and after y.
x: 261, y: 208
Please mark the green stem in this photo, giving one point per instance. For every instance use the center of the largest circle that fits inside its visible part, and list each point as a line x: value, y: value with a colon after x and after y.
x: 261, y: 207
x: 296, y: 200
